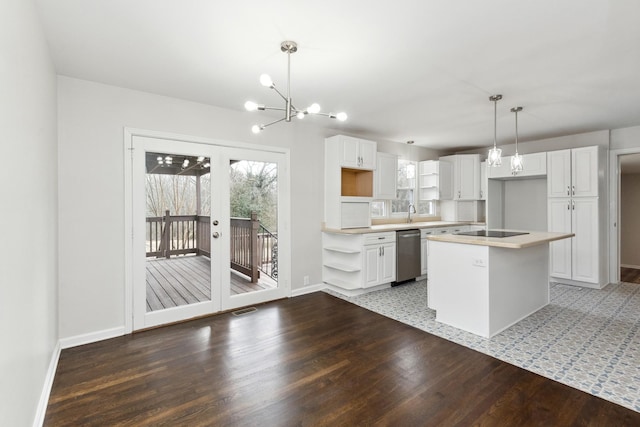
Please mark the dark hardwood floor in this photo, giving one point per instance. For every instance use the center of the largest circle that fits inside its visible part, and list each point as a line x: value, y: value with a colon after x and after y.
x: 311, y: 360
x: 629, y: 275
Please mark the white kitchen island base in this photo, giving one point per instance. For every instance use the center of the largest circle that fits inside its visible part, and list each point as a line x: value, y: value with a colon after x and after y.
x: 484, y: 289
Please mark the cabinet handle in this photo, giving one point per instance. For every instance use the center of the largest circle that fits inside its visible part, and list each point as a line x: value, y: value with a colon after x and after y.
x: 383, y: 251
x: 481, y: 194
x: 568, y: 191
x: 573, y: 205
x: 459, y: 193
x: 573, y: 187
x: 568, y: 206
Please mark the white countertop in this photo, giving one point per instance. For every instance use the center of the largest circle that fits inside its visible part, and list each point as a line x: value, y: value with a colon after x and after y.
x: 514, y: 242
x: 399, y: 226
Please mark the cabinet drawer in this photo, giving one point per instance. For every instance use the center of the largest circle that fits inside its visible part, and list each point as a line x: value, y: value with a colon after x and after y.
x: 375, y: 238
x: 429, y: 232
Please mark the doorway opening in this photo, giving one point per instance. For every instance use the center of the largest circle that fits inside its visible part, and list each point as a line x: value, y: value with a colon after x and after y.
x: 629, y: 217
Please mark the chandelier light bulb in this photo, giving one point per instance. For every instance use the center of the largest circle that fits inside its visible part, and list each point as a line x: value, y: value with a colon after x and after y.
x: 256, y: 129
x: 341, y: 116
x: 250, y: 106
x: 200, y: 159
x: 314, y: 108
x: 265, y: 80
x: 168, y: 160
x: 300, y: 115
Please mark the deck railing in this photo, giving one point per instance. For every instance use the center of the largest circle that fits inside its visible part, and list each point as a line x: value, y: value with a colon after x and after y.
x: 254, y: 249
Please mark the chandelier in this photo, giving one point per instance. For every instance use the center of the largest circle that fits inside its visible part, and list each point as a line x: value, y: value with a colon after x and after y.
x: 516, y: 159
x: 289, y: 109
x: 495, y: 154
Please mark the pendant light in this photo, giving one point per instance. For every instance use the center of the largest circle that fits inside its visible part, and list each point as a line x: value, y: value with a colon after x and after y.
x: 495, y: 154
x: 516, y: 159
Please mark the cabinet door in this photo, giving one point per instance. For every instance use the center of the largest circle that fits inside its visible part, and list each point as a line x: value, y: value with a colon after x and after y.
x: 424, y: 245
x: 446, y: 180
x: 367, y: 154
x: 349, y: 152
x: 584, y: 172
x: 559, y: 220
x: 534, y: 164
x: 585, y: 243
x: 483, y: 181
x: 386, y: 176
x: 372, y: 255
x: 388, y: 263
x: 468, y: 173
x: 559, y: 173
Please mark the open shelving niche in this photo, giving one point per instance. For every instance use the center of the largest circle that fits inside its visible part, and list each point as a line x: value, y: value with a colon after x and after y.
x: 342, y: 260
x: 429, y: 181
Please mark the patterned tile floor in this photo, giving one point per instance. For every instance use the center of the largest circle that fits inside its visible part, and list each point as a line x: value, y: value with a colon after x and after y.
x: 586, y: 338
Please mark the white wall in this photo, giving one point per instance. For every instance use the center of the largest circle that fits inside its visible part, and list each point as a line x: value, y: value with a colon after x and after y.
x: 525, y: 204
x: 28, y: 190
x: 92, y: 117
x: 630, y: 220
x: 625, y: 138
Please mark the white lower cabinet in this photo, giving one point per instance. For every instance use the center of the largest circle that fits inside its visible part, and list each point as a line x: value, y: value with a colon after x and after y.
x: 576, y: 258
x: 356, y: 261
x: 379, y: 264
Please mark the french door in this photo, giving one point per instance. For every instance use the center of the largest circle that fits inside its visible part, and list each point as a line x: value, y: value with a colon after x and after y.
x: 209, y: 229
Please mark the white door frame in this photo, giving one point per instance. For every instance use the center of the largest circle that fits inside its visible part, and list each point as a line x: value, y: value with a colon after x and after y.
x: 284, y: 211
x: 614, y: 211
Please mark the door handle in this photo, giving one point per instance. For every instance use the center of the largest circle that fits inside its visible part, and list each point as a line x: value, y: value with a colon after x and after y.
x: 215, y: 235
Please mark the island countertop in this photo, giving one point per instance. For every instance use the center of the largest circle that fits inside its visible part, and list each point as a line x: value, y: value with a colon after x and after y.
x: 399, y: 226
x: 533, y: 238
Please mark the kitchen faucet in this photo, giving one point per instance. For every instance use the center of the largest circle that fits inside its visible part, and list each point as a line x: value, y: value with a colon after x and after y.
x: 411, y: 208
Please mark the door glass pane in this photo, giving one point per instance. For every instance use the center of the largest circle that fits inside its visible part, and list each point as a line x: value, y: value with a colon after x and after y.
x: 253, y: 190
x: 178, y: 206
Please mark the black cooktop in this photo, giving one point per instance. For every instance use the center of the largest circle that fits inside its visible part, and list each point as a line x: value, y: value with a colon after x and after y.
x: 492, y: 233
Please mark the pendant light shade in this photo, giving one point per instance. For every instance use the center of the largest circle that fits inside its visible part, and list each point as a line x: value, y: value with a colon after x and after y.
x: 494, y: 158
x: 516, y: 159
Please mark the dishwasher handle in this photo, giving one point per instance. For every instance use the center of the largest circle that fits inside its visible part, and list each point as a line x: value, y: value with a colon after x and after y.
x: 410, y: 235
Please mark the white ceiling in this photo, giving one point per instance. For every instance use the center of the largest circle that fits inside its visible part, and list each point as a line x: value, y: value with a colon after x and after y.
x: 408, y: 69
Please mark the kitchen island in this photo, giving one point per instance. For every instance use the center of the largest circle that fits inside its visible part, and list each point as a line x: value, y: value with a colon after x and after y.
x: 482, y: 284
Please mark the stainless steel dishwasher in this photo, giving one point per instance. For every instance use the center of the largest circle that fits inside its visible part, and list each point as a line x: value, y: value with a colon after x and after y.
x: 407, y: 255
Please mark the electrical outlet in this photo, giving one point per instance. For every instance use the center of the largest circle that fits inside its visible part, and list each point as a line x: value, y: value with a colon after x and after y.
x: 306, y: 280
x: 479, y: 262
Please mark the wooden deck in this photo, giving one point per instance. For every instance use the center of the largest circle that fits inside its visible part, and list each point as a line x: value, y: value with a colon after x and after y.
x: 187, y: 280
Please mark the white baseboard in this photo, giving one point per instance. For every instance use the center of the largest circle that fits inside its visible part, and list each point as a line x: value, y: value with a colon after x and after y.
x: 637, y: 267
x: 41, y: 410
x: 358, y: 291
x: 308, y: 289
x: 92, y: 337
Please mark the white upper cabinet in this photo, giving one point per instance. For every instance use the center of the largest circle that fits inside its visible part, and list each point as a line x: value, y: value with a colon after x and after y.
x: 463, y: 181
x: 584, y: 172
x: 445, y: 175
x: 533, y: 165
x: 386, y: 177
x: 483, y: 181
x: 357, y: 153
x: 573, y: 173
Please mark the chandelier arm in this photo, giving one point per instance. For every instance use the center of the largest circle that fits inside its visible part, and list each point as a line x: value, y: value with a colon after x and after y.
x: 279, y: 93
x: 275, y: 108
x: 273, y: 123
